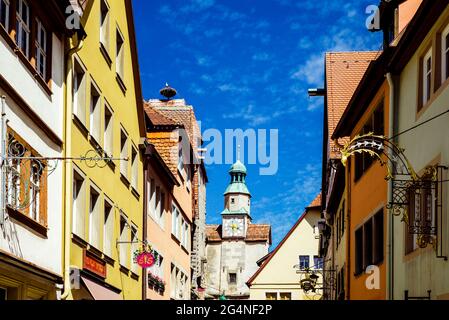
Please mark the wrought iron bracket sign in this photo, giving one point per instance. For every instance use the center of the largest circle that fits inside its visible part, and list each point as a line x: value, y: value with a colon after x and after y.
x: 315, y: 282
x: 417, y: 199
x: 22, y: 173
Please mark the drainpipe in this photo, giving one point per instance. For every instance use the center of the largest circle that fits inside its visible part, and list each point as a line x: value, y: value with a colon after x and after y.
x: 2, y: 164
x: 67, y: 171
x: 390, y: 247
x: 145, y: 220
x: 348, y: 228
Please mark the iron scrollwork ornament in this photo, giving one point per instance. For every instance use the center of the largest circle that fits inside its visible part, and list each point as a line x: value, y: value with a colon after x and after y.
x: 25, y: 176
x: 316, y: 282
x: 405, y: 181
x: 26, y: 173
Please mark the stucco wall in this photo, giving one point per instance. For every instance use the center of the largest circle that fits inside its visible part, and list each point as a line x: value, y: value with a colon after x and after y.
x: 45, y: 253
x: 232, y: 257
x: 421, y: 270
x: 160, y: 238
x: 279, y: 274
x: 366, y: 197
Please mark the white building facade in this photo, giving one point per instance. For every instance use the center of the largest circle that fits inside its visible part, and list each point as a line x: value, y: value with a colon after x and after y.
x: 32, y: 53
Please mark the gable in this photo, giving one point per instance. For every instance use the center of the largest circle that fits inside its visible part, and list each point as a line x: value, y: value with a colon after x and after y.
x: 278, y: 268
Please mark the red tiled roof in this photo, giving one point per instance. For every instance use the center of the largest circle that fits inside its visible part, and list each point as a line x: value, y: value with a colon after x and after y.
x: 180, y: 113
x: 255, y: 233
x: 213, y: 232
x: 273, y: 253
x: 157, y: 118
x: 258, y: 232
x: 316, y: 202
x: 344, y: 70
x: 173, y: 114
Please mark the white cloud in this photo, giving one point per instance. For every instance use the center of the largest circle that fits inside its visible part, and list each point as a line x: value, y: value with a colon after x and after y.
x: 248, y: 114
x: 314, y: 104
x: 295, y: 26
x: 261, y: 56
x: 229, y: 87
x: 197, y: 5
x: 210, y: 33
x: 305, y: 43
x: 262, y: 24
x: 312, y: 71
x: 165, y: 9
x: 204, y: 61
x: 297, y: 193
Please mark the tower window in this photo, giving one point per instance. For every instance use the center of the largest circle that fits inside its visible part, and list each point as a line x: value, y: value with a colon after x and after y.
x: 233, y: 278
x: 232, y: 200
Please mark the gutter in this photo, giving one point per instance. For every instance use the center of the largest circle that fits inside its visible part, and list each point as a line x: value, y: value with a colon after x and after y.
x: 348, y: 244
x: 67, y: 168
x: 145, y: 224
x: 390, y: 245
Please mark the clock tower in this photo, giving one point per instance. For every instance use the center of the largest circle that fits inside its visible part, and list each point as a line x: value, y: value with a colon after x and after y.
x: 236, y: 215
x: 236, y: 245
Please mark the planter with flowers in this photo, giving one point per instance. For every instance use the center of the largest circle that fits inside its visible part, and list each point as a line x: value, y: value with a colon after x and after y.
x: 156, y: 283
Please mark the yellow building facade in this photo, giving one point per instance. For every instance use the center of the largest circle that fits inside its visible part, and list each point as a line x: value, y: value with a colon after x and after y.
x: 103, y: 203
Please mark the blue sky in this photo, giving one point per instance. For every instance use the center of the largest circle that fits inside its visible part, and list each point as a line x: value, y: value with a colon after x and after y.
x: 248, y: 64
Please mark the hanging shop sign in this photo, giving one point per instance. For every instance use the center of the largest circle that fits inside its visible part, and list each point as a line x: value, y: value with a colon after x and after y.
x: 417, y: 199
x: 94, y: 265
x: 145, y: 258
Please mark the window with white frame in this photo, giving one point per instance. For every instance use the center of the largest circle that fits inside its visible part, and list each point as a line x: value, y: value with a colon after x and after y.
x: 120, y: 55
x: 104, y: 24
x: 23, y: 26
x: 185, y: 234
x: 179, y: 284
x: 188, y: 176
x: 271, y: 296
x: 95, y: 114
x: 26, y: 179
x: 173, y: 273
x: 157, y: 269
x: 182, y: 232
x: 317, y: 262
x: 123, y: 154
x: 31, y: 36
x: 285, y: 296
x: 108, y: 228
x: 35, y: 191
x: 123, y: 246
x: 161, y: 215
x: 445, y: 54
x: 180, y: 157
x: 41, y: 50
x: 134, y: 168
x: 4, y: 14
x: 79, y: 92
x: 79, y: 204
x: 158, y: 203
x: 304, y: 262
x: 108, y: 131
x: 134, y: 247
x: 427, y: 77
x: 422, y: 212
x: 175, y: 225
x: 151, y: 187
x: 94, y: 218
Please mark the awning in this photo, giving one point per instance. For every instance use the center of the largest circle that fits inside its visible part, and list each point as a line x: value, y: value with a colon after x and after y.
x: 99, y: 292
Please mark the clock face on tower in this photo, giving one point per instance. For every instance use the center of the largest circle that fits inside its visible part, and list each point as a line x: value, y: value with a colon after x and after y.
x: 234, y: 227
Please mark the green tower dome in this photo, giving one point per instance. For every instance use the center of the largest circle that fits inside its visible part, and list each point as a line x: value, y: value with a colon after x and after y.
x: 238, y: 167
x: 238, y: 177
